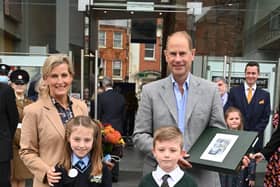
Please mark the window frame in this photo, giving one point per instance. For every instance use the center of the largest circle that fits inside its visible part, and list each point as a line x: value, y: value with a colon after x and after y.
x: 120, y: 40
x: 149, y: 49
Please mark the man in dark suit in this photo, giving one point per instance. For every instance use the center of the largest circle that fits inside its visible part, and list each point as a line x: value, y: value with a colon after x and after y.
x: 111, y: 106
x: 253, y: 102
x: 9, y: 122
x: 111, y: 109
x: 222, y: 86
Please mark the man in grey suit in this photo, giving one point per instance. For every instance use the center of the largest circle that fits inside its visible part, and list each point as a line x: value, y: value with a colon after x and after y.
x: 181, y: 99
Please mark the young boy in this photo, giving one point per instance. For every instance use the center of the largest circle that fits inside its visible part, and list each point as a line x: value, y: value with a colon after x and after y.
x: 167, y: 149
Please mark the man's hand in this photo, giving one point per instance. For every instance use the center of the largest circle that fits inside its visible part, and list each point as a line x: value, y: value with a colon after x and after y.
x: 184, y: 163
x: 52, y: 176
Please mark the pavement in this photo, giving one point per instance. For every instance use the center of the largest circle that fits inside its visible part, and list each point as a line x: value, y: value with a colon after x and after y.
x: 130, y: 168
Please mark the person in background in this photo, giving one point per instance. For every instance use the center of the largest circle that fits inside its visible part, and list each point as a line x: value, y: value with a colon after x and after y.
x: 111, y: 105
x: 246, y: 177
x: 92, y: 101
x: 19, y: 80
x: 182, y: 99
x: 111, y: 109
x: 168, y: 149
x: 271, y: 152
x: 81, y: 165
x: 9, y: 122
x: 86, y: 98
x: 253, y: 102
x: 4, y: 72
x: 130, y: 110
x: 43, y: 125
x: 32, y: 92
x: 222, y: 86
x: 41, y: 88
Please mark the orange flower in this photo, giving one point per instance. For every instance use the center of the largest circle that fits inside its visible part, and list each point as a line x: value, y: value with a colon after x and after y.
x: 111, y: 135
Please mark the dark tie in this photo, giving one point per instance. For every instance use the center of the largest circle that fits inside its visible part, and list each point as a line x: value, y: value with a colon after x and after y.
x: 81, y: 165
x: 164, y: 180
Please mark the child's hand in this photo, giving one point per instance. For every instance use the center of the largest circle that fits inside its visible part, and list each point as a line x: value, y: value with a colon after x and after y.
x: 257, y: 156
x: 52, y: 176
x: 251, y: 183
x: 109, y: 164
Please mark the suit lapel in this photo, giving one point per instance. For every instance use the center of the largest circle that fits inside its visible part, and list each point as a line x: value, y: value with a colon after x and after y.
x: 168, y: 97
x: 244, y: 102
x: 54, y: 117
x: 193, y: 97
x: 255, y: 96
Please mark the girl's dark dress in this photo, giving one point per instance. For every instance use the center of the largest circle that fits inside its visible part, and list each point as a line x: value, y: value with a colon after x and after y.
x: 84, y: 179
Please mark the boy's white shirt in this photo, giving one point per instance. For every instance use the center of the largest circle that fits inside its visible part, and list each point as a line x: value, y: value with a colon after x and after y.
x: 175, y: 176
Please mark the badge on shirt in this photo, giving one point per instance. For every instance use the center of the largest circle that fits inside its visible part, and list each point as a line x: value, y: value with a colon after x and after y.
x: 72, y: 173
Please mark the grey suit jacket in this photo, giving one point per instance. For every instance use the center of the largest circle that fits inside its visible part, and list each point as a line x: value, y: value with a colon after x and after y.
x: 158, y: 108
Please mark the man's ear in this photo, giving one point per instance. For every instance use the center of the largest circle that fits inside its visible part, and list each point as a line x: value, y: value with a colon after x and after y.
x: 193, y: 53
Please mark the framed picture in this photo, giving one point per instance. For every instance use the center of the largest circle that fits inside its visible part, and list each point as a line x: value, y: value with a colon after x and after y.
x: 221, y: 149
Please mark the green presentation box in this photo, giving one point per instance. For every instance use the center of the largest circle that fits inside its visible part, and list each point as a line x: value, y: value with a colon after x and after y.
x: 221, y: 150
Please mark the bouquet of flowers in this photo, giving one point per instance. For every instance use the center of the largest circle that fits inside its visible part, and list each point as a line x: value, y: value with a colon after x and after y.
x: 113, y: 142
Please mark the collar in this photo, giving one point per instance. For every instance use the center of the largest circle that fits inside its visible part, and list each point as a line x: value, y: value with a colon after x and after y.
x: 75, y: 159
x: 19, y: 97
x: 55, y: 102
x: 108, y: 88
x: 187, y: 81
x: 175, y: 174
x: 246, y: 86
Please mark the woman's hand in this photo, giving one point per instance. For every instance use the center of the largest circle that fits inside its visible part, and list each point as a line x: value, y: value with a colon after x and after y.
x: 52, y: 176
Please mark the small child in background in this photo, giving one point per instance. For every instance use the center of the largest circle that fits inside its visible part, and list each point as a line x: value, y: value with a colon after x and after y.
x: 82, y: 163
x: 246, y: 177
x: 167, y: 149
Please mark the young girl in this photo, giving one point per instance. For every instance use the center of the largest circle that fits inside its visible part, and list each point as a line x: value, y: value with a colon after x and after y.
x: 246, y: 177
x: 82, y: 162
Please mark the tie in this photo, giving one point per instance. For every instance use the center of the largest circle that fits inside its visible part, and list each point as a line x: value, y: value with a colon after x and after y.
x: 164, y: 180
x: 249, y: 96
x: 81, y: 165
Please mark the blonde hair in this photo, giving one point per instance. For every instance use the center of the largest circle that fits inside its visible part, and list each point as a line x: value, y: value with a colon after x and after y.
x: 168, y: 133
x: 53, y: 61
x: 96, y: 154
x: 41, y: 88
x: 233, y: 109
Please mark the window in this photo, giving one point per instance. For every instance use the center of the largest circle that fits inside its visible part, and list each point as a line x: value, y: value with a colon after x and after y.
x: 117, y: 40
x: 149, y: 51
x: 102, y: 39
x: 117, y: 65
